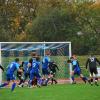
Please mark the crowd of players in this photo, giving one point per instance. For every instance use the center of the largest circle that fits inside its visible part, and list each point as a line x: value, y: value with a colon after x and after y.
x: 31, y: 70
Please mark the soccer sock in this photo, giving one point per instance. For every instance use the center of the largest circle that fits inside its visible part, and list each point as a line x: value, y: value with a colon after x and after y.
x: 30, y: 82
x: 19, y: 82
x: 13, y: 86
x: 91, y: 80
x: 39, y: 81
x: 22, y: 81
x: 73, y: 78
x: 4, y: 84
x: 84, y: 79
x: 96, y: 79
x: 55, y: 81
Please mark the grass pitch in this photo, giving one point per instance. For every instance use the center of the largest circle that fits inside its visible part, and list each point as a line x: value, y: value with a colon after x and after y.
x: 54, y: 92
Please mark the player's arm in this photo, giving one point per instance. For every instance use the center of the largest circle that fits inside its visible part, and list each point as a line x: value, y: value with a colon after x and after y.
x: 1, y: 68
x: 68, y: 61
x: 23, y: 64
x: 97, y: 61
x: 30, y: 62
x: 87, y: 62
x: 56, y: 67
x: 18, y: 68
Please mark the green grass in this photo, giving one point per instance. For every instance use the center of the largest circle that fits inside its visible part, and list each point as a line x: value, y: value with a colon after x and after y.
x: 55, y: 92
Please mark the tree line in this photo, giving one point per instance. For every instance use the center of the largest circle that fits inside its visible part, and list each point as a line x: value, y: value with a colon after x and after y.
x: 52, y: 20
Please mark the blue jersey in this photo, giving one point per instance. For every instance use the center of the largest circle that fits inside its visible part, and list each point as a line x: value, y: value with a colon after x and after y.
x: 35, y: 70
x: 45, y: 62
x: 12, y: 67
x: 25, y: 66
x: 75, y: 65
x: 35, y: 67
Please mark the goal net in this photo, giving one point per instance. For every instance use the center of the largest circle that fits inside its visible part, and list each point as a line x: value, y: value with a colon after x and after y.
x: 59, y: 53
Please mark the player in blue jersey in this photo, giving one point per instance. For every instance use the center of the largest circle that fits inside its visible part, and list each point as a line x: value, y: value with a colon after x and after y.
x: 45, y: 67
x: 35, y: 71
x: 26, y: 72
x: 76, y: 70
x: 26, y: 69
x: 12, y: 67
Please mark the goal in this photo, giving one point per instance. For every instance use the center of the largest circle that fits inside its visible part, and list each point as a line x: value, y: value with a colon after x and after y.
x: 59, y: 53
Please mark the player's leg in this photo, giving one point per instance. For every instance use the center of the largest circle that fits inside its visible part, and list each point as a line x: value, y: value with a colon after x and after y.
x: 34, y: 82
x: 13, y: 85
x: 44, y: 73
x: 91, y: 76
x: 39, y: 79
x: 32, y: 76
x: 21, y: 83
x: 72, y: 77
x: 6, y: 83
x: 25, y: 76
x: 53, y: 78
x: 48, y: 76
x: 43, y: 81
x: 12, y: 78
x: 96, y: 76
x: 19, y: 77
x: 85, y: 79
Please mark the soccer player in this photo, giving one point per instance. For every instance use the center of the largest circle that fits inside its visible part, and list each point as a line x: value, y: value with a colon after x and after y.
x: 12, y: 67
x: 35, y: 71
x: 91, y: 65
x: 45, y: 67
x: 53, y: 67
x: 76, y: 69
x: 20, y: 76
x: 26, y: 70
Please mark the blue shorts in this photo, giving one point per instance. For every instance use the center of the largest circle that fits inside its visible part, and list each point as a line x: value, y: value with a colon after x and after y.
x: 45, y: 71
x: 77, y: 72
x: 34, y: 74
x: 10, y: 77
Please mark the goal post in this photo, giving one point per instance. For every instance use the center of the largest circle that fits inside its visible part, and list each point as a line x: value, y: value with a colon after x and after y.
x: 0, y: 64
x: 60, y: 52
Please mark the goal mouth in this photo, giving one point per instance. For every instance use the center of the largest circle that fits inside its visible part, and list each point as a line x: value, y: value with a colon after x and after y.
x: 59, y: 52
